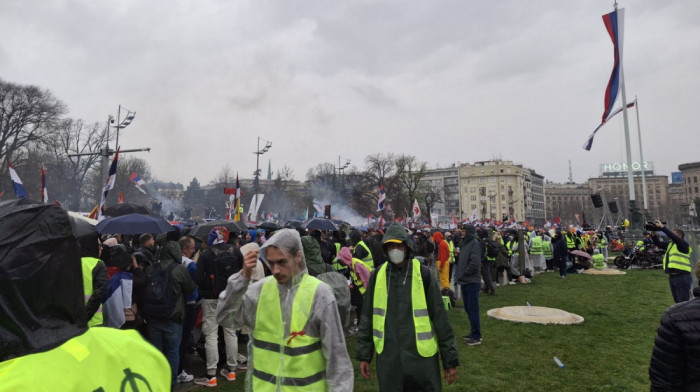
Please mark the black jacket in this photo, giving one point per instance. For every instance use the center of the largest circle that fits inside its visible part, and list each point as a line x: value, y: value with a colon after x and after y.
x: 559, y: 249
x: 675, y: 359
x: 206, y: 270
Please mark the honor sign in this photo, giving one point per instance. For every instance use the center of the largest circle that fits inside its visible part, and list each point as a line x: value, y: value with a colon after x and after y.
x: 618, y: 169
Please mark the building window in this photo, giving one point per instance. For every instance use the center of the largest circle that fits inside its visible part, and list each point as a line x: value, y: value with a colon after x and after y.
x: 473, y: 206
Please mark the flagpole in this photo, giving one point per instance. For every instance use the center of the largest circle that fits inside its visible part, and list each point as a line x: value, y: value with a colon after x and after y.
x: 628, y: 147
x: 641, y: 154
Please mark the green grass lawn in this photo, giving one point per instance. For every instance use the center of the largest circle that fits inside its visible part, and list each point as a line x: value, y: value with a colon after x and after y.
x: 610, y: 351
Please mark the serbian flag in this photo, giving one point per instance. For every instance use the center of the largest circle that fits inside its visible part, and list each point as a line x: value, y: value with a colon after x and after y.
x: 614, y: 23
x: 109, y: 184
x: 380, y: 201
x: 93, y: 213
x: 44, y: 192
x: 20, y: 192
x: 558, y: 220
x: 137, y: 181
x: 589, y: 143
x: 454, y: 220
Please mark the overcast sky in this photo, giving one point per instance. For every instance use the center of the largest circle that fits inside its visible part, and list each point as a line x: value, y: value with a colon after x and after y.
x: 445, y: 81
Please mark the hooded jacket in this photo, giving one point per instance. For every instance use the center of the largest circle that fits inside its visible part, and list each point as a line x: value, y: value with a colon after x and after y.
x: 442, y: 246
x: 40, y: 273
x: 469, y: 263
x: 312, y: 253
x: 182, y: 283
x: 400, y: 366
x: 238, y: 306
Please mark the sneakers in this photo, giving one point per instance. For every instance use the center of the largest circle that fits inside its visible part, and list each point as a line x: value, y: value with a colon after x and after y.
x: 229, y: 375
x: 206, y: 381
x: 242, y: 367
x: 471, y: 341
x: 184, y: 377
x: 562, y: 276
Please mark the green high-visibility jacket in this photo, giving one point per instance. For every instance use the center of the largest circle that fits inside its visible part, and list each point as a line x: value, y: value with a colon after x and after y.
x: 676, y: 259
x: 367, y: 259
x: 287, y: 362
x: 88, y: 264
x: 536, y: 248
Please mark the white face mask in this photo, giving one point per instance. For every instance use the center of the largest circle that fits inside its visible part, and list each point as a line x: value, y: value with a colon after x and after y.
x: 396, y: 256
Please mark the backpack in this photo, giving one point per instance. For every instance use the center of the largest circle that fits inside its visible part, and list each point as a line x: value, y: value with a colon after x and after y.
x: 225, y: 264
x: 159, y: 297
x: 491, y: 249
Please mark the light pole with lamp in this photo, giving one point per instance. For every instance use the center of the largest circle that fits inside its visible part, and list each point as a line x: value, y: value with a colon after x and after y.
x: 256, y: 182
x: 342, y: 168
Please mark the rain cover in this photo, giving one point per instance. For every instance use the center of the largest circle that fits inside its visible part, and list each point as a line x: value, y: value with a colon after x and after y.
x: 41, y: 285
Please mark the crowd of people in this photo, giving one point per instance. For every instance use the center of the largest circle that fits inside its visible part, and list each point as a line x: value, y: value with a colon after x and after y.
x: 287, y: 293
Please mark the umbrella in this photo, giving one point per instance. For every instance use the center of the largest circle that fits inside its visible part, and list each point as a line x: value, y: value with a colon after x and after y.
x: 271, y: 226
x: 83, y: 218
x: 581, y: 254
x: 82, y: 228
x: 203, y: 230
x: 127, y: 208
x: 134, y: 224
x: 320, y: 224
x: 294, y: 224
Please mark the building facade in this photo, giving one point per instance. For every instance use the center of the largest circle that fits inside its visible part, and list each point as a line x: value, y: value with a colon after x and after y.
x: 691, y: 174
x: 444, y: 182
x: 502, y: 190
x: 570, y: 202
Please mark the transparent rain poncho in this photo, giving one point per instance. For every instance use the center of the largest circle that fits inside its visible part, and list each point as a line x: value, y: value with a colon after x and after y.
x: 238, y: 307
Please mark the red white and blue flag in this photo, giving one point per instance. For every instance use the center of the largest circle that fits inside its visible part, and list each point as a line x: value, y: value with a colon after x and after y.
x: 20, y: 192
x: 44, y: 191
x: 109, y: 184
x: 614, y: 24
x: 589, y: 143
x: 137, y: 181
x: 382, y: 197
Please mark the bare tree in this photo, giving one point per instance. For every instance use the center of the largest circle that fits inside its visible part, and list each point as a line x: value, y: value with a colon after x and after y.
x: 432, y: 196
x: 75, y: 137
x: 27, y: 115
x: 409, y: 173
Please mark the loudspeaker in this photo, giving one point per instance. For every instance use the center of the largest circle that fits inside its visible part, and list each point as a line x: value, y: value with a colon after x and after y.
x: 597, y: 200
x: 613, y: 207
x: 327, y: 212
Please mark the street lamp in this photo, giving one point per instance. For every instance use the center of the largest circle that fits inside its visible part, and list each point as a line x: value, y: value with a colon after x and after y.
x: 345, y: 166
x: 256, y: 182
x: 123, y: 124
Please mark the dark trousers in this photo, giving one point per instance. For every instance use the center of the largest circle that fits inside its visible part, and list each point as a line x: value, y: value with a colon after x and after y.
x: 356, y: 300
x: 550, y: 264
x: 470, y: 293
x: 562, y: 266
x: 165, y: 336
x: 190, y: 318
x: 680, y: 287
x: 486, y: 274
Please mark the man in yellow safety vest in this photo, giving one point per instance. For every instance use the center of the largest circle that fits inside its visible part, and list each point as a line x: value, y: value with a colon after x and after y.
x: 297, y: 341
x: 404, y: 321
x: 676, y: 261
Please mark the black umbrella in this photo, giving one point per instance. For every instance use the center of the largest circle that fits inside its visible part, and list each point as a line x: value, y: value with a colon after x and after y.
x: 320, y: 224
x: 82, y: 228
x: 269, y: 226
x: 134, y: 224
x: 293, y: 224
x: 127, y: 208
x: 203, y: 230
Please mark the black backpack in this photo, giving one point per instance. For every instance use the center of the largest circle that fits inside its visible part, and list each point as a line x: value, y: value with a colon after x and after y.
x: 159, y: 297
x: 226, y: 264
x: 491, y: 249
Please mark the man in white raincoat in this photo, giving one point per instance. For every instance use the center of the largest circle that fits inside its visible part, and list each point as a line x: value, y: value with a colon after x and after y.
x: 297, y: 338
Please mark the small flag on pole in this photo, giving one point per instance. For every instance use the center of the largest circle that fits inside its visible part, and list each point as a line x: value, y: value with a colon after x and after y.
x: 416, y: 209
x: 20, y: 192
x: 121, y: 197
x: 109, y: 184
x: 382, y: 197
x: 44, y: 192
x: 138, y: 182
x: 237, y: 201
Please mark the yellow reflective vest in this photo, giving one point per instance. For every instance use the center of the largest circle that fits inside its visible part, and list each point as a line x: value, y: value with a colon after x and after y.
x: 336, y: 263
x: 676, y: 259
x: 547, y: 249
x: 355, y: 278
x: 426, y: 341
x: 536, y: 248
x: 367, y: 259
x: 452, y: 251
x: 88, y: 264
x: 599, y: 261
x: 101, y: 359
x: 289, y: 361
